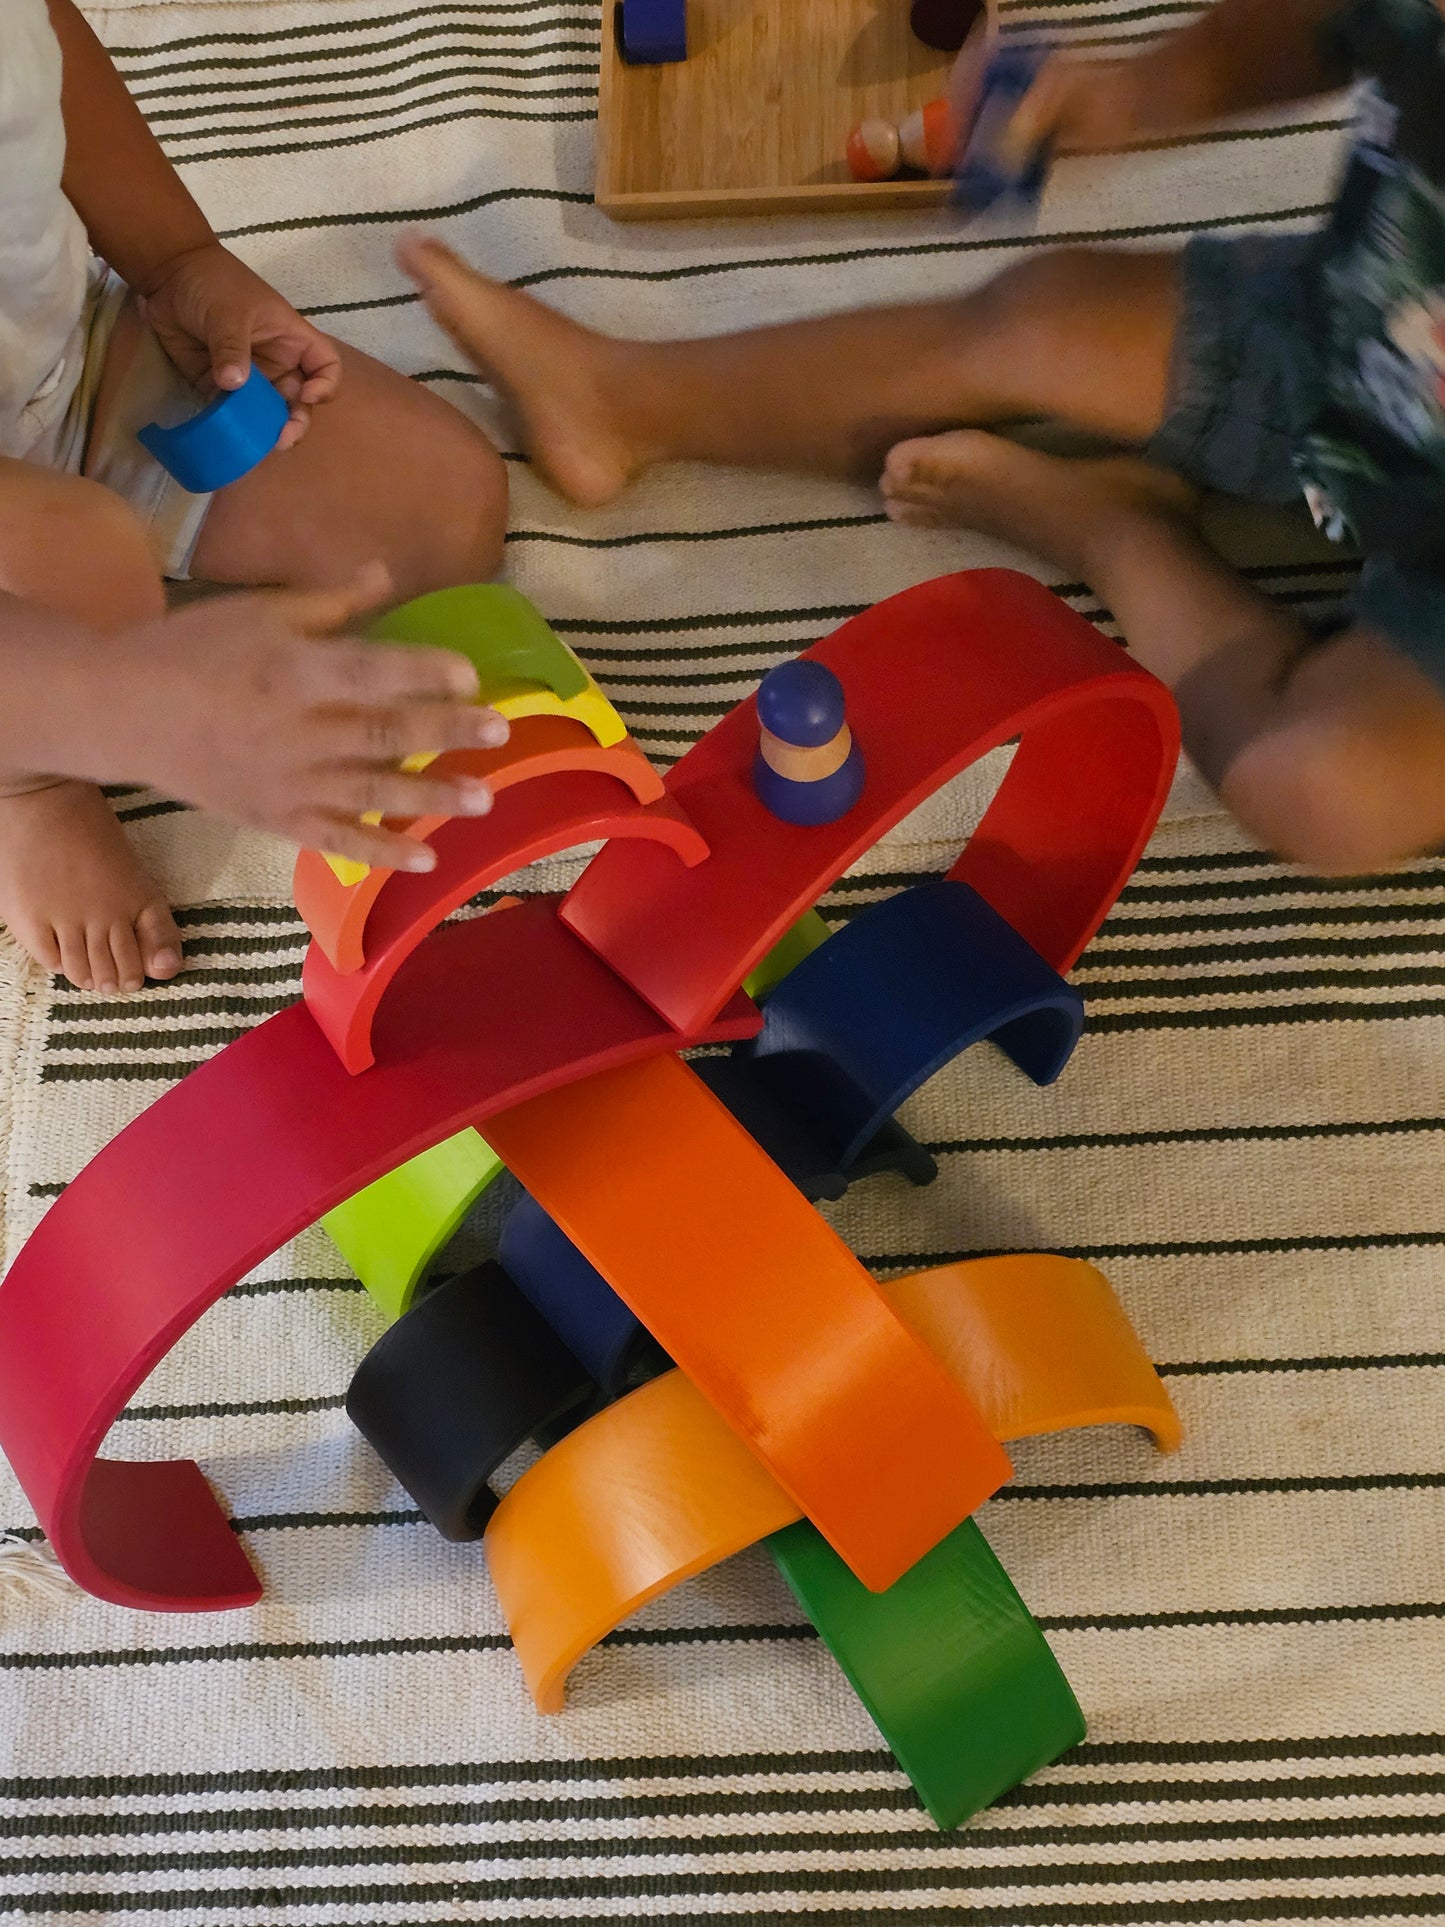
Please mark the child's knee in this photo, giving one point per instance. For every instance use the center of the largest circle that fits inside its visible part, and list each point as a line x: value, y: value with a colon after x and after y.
x: 72, y: 545
x: 458, y: 521
x: 1329, y: 796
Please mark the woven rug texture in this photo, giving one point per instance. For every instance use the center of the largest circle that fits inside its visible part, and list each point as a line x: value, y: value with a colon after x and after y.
x: 1248, y: 1142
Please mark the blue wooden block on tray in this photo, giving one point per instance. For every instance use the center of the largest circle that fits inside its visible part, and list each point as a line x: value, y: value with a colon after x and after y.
x: 651, y: 33
x: 898, y: 993
x: 981, y: 180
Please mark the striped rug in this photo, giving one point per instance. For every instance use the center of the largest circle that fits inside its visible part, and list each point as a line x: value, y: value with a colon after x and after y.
x: 1248, y: 1142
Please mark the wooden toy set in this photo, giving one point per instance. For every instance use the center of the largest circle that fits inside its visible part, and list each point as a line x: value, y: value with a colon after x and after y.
x: 755, y: 118
x: 703, y: 1361
x: 735, y: 107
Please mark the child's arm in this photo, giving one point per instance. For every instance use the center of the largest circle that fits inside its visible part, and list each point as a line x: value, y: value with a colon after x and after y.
x: 212, y: 314
x: 1239, y: 56
x: 238, y: 705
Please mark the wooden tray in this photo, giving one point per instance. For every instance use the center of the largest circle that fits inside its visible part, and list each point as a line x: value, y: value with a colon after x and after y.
x: 755, y: 121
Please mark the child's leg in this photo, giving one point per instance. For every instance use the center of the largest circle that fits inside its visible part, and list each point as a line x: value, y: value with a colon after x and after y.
x: 71, y: 891
x: 1079, y: 335
x: 1332, y: 754
x: 389, y: 472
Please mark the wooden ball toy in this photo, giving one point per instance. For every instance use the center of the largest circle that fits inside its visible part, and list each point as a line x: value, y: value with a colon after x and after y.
x: 808, y: 769
x: 874, y: 151
x: 878, y: 150
x: 928, y: 138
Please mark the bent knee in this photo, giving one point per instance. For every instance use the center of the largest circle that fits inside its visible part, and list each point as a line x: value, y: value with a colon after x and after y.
x: 456, y: 526
x: 1336, y: 798
x: 73, y: 545
x: 1060, y: 326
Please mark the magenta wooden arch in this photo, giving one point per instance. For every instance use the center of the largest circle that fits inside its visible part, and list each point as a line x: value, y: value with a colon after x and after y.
x: 261, y: 1141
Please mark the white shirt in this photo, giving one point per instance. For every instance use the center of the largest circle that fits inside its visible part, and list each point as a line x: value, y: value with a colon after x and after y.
x: 44, y: 254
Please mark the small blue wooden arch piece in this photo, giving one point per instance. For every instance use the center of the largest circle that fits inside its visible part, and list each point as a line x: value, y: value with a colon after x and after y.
x: 897, y: 994
x: 226, y: 440
x: 760, y: 1092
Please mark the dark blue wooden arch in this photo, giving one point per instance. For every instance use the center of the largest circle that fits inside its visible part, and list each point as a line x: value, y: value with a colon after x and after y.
x: 868, y: 1017
x: 576, y: 1300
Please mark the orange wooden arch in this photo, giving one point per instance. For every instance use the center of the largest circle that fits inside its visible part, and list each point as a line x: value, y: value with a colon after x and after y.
x: 762, y: 1304
x: 336, y: 913
x: 657, y: 1488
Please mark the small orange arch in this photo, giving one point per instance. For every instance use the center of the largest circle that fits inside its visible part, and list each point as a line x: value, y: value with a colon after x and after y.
x: 336, y: 913
x: 526, y: 822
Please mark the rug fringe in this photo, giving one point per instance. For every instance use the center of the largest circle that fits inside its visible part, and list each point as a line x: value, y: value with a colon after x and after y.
x: 30, y: 1572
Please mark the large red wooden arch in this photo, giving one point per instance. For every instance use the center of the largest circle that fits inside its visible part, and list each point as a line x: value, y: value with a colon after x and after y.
x: 269, y: 1135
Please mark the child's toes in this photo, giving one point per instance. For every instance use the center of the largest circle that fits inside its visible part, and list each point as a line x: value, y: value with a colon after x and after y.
x: 44, y: 946
x: 74, y: 955
x: 913, y: 468
x: 125, y: 953
x: 912, y: 515
x: 160, y: 941
x: 104, y: 975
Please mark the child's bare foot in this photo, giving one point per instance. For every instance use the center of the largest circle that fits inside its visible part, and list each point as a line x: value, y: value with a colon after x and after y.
x: 74, y: 896
x: 561, y: 380
x: 1063, y: 510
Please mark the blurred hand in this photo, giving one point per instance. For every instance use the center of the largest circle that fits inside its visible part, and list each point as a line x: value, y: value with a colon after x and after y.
x: 250, y: 706
x: 1075, y: 106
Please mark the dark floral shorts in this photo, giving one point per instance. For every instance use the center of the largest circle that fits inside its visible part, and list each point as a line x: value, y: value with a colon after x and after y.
x: 1242, y: 387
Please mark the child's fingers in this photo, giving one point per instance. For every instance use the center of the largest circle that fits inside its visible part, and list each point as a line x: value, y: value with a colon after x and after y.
x: 385, y: 736
x: 965, y: 80
x: 362, y: 675
x: 418, y: 254
x: 320, y: 368
x: 443, y: 277
x: 316, y: 612
x: 295, y: 428
x: 229, y: 347
x: 1035, y: 120
x: 363, y: 842
x: 392, y: 793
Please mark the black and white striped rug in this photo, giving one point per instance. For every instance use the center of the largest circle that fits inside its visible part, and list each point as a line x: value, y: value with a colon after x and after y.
x: 1248, y: 1142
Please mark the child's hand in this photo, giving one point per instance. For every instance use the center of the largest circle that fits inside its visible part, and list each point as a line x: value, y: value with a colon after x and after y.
x: 214, y: 317
x: 235, y: 706
x: 1074, y: 106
